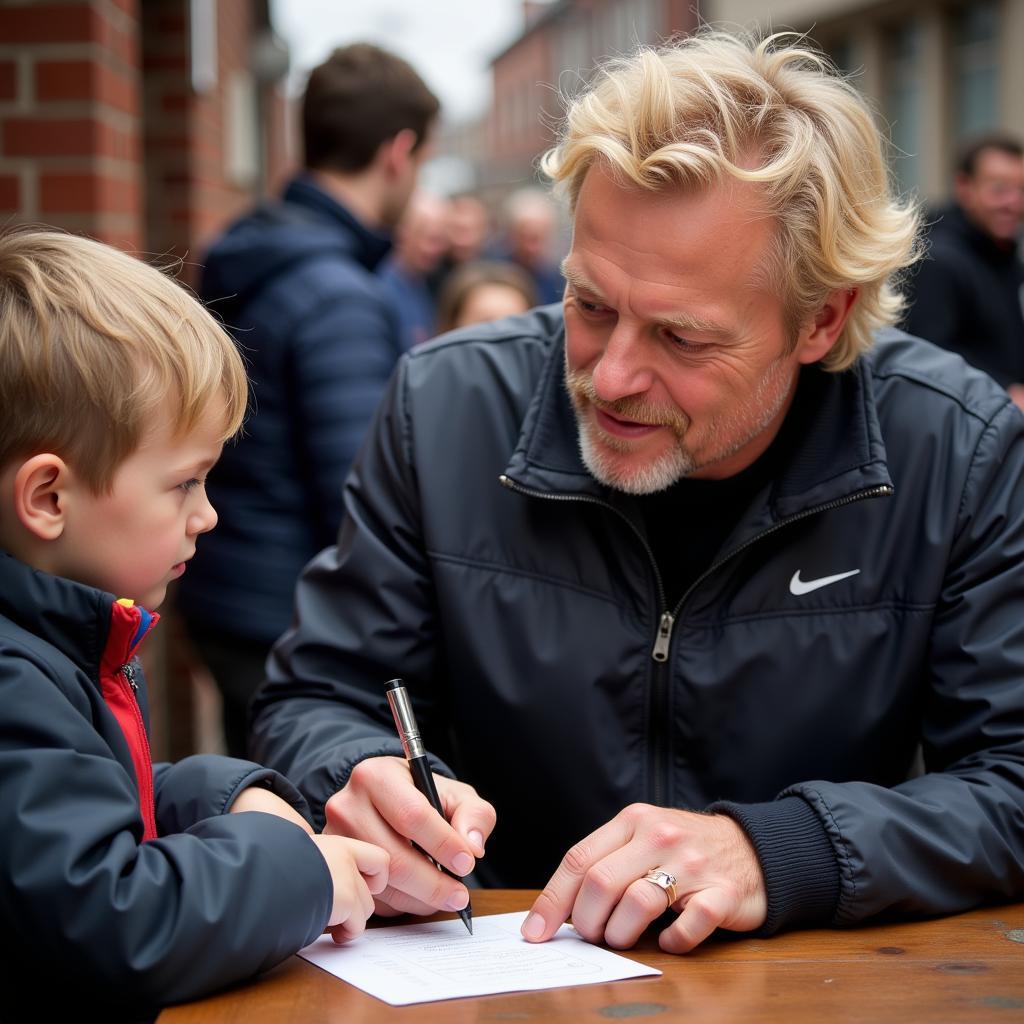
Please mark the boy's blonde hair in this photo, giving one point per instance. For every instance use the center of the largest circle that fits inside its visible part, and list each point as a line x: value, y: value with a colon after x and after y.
x: 93, y: 343
x: 713, y: 107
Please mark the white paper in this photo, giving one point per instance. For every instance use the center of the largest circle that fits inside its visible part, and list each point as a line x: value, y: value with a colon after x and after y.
x: 419, y: 963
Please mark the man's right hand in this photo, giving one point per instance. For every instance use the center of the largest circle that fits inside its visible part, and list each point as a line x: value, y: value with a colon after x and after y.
x: 380, y: 805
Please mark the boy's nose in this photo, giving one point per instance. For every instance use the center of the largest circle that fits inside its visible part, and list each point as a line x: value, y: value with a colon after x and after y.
x: 203, y: 519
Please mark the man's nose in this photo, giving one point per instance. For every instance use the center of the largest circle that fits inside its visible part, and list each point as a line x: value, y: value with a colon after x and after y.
x: 624, y: 367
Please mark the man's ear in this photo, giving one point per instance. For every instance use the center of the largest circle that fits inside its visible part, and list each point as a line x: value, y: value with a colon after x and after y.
x: 41, y: 486
x: 396, y: 152
x: 816, y: 339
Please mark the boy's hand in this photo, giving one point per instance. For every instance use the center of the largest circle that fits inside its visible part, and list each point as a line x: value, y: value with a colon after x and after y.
x: 380, y: 805
x: 259, y: 798
x: 359, y: 871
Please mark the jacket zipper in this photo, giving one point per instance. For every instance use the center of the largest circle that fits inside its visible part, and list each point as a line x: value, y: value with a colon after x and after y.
x: 127, y: 671
x: 659, y: 726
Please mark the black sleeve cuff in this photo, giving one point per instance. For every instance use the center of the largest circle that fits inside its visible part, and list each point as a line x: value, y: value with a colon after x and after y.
x: 801, y: 872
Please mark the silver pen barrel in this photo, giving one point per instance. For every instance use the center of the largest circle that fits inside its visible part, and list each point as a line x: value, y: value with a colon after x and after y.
x: 405, y: 720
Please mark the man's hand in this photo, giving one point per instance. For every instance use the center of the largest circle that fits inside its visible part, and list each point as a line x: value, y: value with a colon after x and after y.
x: 1016, y: 392
x: 600, y: 881
x: 380, y: 805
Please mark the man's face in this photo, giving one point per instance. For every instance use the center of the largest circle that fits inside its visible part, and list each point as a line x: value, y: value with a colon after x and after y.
x: 993, y: 197
x: 676, y: 354
x: 133, y: 541
x: 404, y: 171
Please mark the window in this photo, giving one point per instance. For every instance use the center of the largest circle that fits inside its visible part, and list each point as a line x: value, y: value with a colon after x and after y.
x: 903, y: 99
x: 975, y: 70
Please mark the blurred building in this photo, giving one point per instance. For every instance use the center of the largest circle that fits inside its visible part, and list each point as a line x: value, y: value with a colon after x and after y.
x: 561, y: 42
x: 144, y: 123
x: 937, y: 71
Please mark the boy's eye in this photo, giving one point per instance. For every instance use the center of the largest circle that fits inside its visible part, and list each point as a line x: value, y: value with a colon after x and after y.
x: 189, y: 484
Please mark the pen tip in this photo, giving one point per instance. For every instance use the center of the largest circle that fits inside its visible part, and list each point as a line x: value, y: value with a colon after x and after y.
x: 467, y: 919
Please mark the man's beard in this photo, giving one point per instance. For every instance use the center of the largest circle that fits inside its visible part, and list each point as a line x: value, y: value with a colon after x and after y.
x: 726, y: 433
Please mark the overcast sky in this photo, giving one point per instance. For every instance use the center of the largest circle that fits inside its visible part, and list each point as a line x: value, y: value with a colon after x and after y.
x: 449, y: 42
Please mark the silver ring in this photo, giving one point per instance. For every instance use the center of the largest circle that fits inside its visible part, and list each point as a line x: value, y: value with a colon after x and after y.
x: 665, y: 881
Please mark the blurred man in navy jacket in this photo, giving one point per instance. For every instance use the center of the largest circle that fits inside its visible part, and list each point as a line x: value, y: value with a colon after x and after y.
x: 295, y: 282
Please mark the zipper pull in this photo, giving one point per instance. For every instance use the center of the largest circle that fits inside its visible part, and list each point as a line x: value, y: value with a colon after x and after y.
x: 129, y: 673
x: 660, y: 652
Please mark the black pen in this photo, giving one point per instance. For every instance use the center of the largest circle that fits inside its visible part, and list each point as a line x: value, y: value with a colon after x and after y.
x: 422, y: 777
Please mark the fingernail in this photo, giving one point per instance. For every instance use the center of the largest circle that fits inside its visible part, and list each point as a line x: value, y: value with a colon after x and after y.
x: 533, y: 928
x: 462, y: 863
x: 477, y: 839
x: 458, y: 900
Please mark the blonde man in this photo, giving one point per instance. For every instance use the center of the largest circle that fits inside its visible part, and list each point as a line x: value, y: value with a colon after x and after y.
x: 753, y: 551
x: 127, y: 883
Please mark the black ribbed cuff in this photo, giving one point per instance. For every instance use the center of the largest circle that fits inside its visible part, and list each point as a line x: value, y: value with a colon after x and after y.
x: 801, y: 872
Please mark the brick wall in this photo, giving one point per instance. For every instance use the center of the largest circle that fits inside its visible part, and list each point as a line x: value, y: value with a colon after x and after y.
x: 102, y: 132
x: 206, y: 158
x: 70, y: 146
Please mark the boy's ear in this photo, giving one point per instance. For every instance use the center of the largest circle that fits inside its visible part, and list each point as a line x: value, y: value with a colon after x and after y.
x: 41, y: 487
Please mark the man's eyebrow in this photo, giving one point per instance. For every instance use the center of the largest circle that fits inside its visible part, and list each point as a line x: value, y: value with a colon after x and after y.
x: 681, y: 321
x: 694, y: 323
x: 577, y: 279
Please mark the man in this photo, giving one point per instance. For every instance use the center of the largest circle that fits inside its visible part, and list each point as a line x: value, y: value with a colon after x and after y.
x: 529, y: 238
x: 420, y: 242
x: 295, y: 281
x: 685, y: 577
x: 969, y: 292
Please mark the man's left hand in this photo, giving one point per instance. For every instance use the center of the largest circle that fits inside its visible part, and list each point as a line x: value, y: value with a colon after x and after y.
x: 601, y: 884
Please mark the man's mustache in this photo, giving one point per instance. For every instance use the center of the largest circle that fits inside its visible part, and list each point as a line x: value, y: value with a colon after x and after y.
x: 634, y: 408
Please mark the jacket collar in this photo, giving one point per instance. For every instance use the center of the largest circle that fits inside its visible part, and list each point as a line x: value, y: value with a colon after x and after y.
x: 369, y: 247
x: 88, y: 626
x: 839, y: 452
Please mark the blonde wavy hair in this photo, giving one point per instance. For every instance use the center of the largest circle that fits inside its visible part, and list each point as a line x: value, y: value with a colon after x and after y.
x: 714, y: 106
x: 93, y: 343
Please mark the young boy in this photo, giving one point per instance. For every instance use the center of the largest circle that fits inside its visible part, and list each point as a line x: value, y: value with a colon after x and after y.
x: 123, y: 885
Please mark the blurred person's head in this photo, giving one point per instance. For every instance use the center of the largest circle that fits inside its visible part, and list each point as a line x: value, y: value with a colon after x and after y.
x: 990, y: 186
x: 421, y: 237
x: 367, y: 118
x: 484, y: 290
x: 529, y: 217
x: 468, y: 227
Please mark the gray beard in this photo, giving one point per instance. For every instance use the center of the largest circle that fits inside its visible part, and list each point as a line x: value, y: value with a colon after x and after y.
x: 678, y: 462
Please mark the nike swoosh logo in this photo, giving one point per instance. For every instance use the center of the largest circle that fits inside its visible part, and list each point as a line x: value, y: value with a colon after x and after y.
x: 799, y: 587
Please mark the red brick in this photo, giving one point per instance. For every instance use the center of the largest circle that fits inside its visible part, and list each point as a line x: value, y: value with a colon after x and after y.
x: 175, y: 102
x: 8, y: 80
x: 37, y: 137
x: 171, y: 23
x: 10, y: 193
x: 85, y: 80
x: 48, y: 23
x: 86, y: 192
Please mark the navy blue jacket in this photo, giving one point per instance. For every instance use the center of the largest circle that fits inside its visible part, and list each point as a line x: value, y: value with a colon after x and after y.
x: 522, y: 604
x: 295, y: 283
x: 122, y: 889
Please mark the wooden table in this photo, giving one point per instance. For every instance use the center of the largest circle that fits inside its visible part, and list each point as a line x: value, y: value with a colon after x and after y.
x: 964, y: 968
